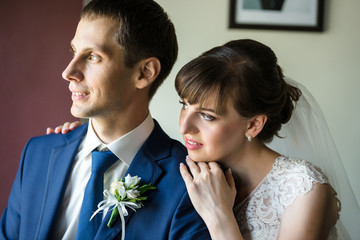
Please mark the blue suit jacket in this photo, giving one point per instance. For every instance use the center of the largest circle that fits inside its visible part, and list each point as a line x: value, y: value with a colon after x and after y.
x: 38, y: 190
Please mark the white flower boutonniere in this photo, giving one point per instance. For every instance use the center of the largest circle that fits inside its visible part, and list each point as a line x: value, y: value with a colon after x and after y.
x: 122, y: 194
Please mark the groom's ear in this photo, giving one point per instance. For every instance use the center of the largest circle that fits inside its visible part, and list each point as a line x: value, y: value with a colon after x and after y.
x: 149, y: 70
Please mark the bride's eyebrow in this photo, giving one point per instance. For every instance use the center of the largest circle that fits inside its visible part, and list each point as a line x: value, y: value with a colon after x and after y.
x: 206, y: 109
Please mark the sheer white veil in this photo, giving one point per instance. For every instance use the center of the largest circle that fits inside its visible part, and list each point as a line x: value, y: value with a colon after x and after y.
x: 307, y: 136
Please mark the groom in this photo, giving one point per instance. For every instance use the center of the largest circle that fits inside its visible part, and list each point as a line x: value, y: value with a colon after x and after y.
x: 123, y: 50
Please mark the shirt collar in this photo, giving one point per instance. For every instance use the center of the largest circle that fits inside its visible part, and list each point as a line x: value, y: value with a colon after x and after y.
x: 125, y: 147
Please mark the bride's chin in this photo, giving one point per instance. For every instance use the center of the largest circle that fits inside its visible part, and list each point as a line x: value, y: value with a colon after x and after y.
x: 197, y: 158
x: 194, y: 157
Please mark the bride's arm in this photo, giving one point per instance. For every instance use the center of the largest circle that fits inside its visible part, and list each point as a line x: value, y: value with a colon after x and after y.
x: 212, y: 193
x: 310, y: 216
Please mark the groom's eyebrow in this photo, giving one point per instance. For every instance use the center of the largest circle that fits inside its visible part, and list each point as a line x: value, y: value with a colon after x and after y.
x: 100, y: 48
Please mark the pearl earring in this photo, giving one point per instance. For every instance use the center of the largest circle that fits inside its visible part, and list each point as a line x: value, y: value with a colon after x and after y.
x: 249, y: 138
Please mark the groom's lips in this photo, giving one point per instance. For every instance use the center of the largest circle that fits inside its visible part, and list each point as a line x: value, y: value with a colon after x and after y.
x: 77, y: 94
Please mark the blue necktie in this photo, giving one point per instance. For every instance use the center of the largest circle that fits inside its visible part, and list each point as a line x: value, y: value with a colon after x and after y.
x: 101, y: 161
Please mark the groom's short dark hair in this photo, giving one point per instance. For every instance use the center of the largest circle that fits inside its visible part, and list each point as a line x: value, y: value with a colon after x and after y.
x: 145, y: 30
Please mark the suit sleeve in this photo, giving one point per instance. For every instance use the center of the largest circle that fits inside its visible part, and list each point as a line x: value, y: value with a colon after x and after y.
x: 187, y: 223
x: 11, y: 217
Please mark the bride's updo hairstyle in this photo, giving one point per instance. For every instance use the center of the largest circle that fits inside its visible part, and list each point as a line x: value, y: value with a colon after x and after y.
x: 246, y: 73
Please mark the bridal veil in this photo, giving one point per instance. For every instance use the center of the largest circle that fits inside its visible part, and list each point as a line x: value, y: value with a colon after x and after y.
x: 307, y: 136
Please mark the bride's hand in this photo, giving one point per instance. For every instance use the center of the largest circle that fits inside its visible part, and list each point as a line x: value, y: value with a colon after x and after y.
x: 65, y: 128
x: 211, y: 191
x: 212, y: 194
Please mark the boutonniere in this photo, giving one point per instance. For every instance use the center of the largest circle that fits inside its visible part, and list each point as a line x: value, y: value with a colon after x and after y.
x: 124, y: 193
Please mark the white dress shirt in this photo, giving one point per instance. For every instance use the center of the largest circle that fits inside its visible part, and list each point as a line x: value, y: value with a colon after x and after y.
x: 125, y: 148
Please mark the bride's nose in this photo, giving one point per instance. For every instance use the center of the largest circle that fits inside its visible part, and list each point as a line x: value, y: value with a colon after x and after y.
x: 187, y: 123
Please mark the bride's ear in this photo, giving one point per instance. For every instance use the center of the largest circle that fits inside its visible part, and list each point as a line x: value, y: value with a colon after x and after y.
x: 150, y: 69
x: 255, y: 125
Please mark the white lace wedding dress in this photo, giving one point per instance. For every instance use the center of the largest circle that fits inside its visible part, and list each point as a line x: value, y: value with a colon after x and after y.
x: 259, y: 214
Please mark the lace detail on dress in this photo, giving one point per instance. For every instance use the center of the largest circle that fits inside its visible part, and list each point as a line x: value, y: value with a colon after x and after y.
x: 259, y: 214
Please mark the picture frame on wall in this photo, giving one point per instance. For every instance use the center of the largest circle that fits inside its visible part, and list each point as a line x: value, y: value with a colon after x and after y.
x: 297, y: 15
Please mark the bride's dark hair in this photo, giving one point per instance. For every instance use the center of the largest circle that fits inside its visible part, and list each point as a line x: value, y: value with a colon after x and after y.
x: 246, y: 73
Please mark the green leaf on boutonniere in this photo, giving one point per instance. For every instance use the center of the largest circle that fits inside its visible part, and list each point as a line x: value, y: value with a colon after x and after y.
x: 128, y: 193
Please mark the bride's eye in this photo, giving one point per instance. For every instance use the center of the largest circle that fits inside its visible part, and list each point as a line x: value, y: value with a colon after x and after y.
x: 184, y: 106
x: 207, y: 117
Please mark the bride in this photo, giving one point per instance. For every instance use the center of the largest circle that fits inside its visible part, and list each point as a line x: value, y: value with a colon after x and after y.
x: 235, y: 100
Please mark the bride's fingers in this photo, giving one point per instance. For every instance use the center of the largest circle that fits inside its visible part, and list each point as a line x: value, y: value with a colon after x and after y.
x: 65, y: 128
x: 185, y: 174
x: 204, y: 167
x: 230, y: 179
x: 58, y: 129
x: 214, y: 166
x: 194, y: 169
x: 49, y: 130
x: 74, y: 125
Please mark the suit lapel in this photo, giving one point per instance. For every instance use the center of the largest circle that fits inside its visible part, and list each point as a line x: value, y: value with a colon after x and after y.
x: 60, y: 165
x: 144, y: 165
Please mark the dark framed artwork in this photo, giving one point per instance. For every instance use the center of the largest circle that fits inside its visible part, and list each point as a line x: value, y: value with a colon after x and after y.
x: 299, y: 15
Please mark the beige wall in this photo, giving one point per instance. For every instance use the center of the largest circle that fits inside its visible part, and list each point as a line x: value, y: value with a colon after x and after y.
x: 327, y: 63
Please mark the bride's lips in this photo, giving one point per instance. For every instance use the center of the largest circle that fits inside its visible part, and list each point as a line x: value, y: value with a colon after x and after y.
x: 192, y: 145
